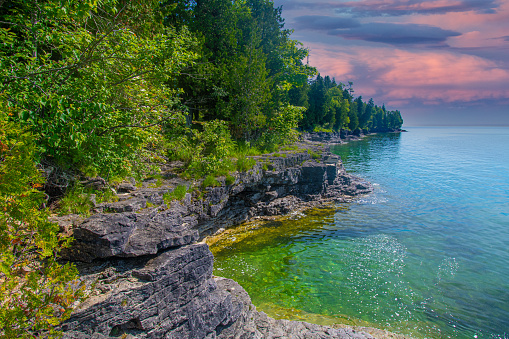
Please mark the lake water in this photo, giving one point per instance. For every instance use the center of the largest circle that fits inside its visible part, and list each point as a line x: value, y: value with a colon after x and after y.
x: 426, y: 254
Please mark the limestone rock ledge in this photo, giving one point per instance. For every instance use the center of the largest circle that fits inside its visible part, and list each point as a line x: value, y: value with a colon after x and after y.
x: 149, y: 278
x: 174, y: 295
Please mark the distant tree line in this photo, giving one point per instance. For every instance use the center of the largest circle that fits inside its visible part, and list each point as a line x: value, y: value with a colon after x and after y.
x: 332, y: 106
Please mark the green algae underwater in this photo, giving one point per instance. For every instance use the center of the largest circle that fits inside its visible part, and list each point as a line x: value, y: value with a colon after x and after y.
x: 425, y: 255
x: 289, y: 280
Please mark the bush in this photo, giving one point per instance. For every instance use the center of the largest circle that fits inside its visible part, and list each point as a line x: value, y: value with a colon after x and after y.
x: 95, y: 98
x: 282, y: 128
x: 245, y: 148
x: 322, y: 129
x: 36, y: 292
x: 76, y: 201
x: 314, y: 154
x: 206, y: 151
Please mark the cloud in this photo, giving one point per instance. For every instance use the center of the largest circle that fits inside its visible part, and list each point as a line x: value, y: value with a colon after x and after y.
x: 396, y: 34
x: 319, y: 22
x: 374, y: 8
x: 425, y: 77
x: 289, y: 5
x: 410, y: 54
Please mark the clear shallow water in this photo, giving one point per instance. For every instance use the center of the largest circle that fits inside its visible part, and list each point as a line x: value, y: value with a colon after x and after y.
x: 427, y: 254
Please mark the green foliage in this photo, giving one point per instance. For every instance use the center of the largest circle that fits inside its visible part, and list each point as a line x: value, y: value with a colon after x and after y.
x: 36, y: 292
x: 210, y: 181
x: 106, y: 85
x: 321, y: 129
x: 106, y: 195
x: 92, y: 79
x: 244, y: 148
x: 248, y: 63
x: 244, y: 164
x: 159, y: 181
x: 178, y: 193
x: 230, y: 180
x: 206, y: 151
x: 332, y: 107
x: 279, y: 155
x: 76, y: 201
x: 314, y: 154
x: 290, y: 148
x: 282, y: 128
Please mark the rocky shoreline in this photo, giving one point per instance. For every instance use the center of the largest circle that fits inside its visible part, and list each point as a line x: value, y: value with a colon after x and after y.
x: 148, y: 274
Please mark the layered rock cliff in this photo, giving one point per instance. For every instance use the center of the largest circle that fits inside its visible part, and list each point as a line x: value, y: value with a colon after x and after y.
x: 148, y: 277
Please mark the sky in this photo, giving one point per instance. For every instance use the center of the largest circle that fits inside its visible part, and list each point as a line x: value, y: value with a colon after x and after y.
x: 440, y: 62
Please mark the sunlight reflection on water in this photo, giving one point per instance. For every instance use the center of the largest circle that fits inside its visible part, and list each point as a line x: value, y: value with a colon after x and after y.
x: 425, y: 254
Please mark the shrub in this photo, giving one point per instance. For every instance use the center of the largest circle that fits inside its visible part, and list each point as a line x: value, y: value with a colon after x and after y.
x: 36, y: 292
x: 290, y: 148
x: 282, y: 127
x: 205, y: 151
x: 76, y: 201
x: 314, y: 154
x: 322, y: 129
x: 244, y: 148
x: 95, y: 99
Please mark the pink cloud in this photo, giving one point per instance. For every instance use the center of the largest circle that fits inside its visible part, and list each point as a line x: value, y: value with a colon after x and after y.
x: 395, y: 75
x: 479, y: 29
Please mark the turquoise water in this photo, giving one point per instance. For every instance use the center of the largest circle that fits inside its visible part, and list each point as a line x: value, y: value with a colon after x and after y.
x: 426, y: 254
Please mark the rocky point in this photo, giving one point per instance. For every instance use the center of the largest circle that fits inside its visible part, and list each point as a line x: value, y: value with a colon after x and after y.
x: 147, y: 274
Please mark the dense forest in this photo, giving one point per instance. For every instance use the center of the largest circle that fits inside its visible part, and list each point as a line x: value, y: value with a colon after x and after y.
x: 114, y: 88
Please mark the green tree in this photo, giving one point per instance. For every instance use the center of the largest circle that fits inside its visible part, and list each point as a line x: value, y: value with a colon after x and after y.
x: 366, y: 116
x: 353, y: 118
x: 93, y: 80
x: 341, y: 108
x: 248, y: 65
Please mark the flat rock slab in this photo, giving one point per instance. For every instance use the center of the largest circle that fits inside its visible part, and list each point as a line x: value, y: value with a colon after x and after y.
x: 131, y: 234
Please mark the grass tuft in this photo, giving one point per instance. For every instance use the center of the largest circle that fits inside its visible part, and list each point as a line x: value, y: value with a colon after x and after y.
x: 210, y: 181
x: 245, y: 164
x: 230, y: 179
x: 314, y: 154
x: 177, y: 194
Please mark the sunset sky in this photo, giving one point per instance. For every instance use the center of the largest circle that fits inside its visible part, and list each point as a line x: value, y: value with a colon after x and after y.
x: 443, y: 62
